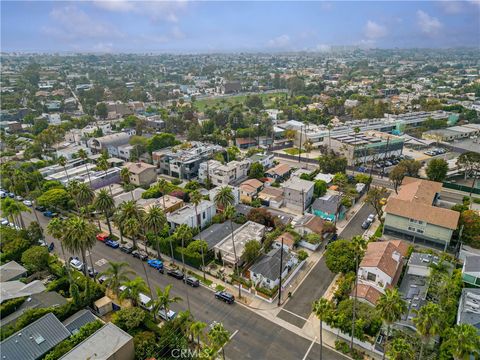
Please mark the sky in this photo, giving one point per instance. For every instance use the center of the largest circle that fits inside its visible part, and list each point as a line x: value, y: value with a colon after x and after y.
x: 243, y: 26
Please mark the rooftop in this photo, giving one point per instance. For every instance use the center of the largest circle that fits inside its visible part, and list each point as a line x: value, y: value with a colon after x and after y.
x: 216, y: 233
x: 472, y: 265
x: 268, y: 264
x: 77, y: 320
x: 381, y: 255
x: 15, y: 289
x: 139, y: 167
x: 414, y: 290
x: 11, y: 270
x: 298, y: 184
x: 469, y: 308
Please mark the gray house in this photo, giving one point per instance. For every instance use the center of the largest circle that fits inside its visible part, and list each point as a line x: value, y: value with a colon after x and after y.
x: 34, y: 340
x: 298, y: 193
x: 12, y: 271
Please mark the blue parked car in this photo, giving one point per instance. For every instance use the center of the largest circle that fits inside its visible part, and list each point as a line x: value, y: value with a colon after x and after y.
x: 156, y: 264
x: 112, y: 243
x: 50, y: 214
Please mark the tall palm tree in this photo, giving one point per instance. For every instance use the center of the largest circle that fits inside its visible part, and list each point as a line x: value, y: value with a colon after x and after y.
x: 356, y: 130
x: 21, y: 177
x: 164, y: 300
x: 105, y: 203
x: 390, y: 307
x: 154, y: 220
x: 224, y: 197
x: 13, y: 209
x: 428, y: 322
x: 56, y: 228
x: 133, y: 288
x: 359, y: 244
x: 184, y: 232
x: 62, y: 161
x: 127, y: 210
x: 132, y: 228
x: 79, y: 236
x: 463, y: 341
x: 82, y: 154
x: 125, y: 175
x: 117, y: 274
x: 329, y: 128
x: 218, y: 337
x: 196, y: 329
x: 229, y: 213
x: 85, y: 194
x: 321, y: 307
x: 103, y: 165
x: 163, y: 185
x: 196, y: 199
x: 400, y: 349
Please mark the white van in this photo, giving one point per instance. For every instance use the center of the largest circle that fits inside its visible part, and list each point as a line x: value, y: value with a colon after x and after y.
x: 144, y: 300
x: 167, y: 317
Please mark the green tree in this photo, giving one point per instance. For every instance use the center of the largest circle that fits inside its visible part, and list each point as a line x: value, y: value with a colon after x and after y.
x: 470, y: 161
x: 101, y: 110
x: 36, y: 258
x: 462, y: 342
x: 256, y: 171
x: 117, y: 273
x: 105, y: 204
x: 332, y: 163
x: 62, y: 161
x: 164, y: 300
x: 359, y: 245
x: 196, y: 329
x: 411, y: 167
x: 321, y: 308
x: 320, y: 188
x: 145, y: 344
x: 251, y: 251
x: 155, y: 220
x: 470, y: 220
x: 396, y: 176
x: 437, y: 170
x: 129, y: 319
x: 400, y: 349
x: 218, y: 337
x: 196, y: 198
x: 79, y: 236
x: 375, y: 197
x: 82, y: 154
x: 55, y: 228
x: 132, y: 290
x: 428, y: 322
x: 224, y: 197
x: 13, y: 210
x: 340, y: 257
x: 56, y: 198
x: 390, y: 307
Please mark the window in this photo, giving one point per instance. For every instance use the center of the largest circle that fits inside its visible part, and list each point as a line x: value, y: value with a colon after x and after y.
x: 420, y: 231
x: 371, y: 276
x: 411, y: 228
x: 203, y: 215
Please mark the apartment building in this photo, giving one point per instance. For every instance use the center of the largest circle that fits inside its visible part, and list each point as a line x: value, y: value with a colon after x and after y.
x: 184, y: 163
x: 141, y: 173
x: 223, y: 174
x: 298, y: 194
x: 412, y: 215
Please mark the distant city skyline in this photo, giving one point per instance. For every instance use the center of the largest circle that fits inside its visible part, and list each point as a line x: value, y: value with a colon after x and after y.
x: 200, y: 27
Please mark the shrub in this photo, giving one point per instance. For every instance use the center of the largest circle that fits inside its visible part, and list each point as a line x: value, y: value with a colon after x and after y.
x: 176, y: 181
x: 10, y: 306
x: 268, y: 292
x: 129, y: 319
x: 302, y: 255
x: 36, y: 258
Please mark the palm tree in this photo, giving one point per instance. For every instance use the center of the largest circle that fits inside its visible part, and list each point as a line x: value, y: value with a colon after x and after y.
x: 132, y: 290
x: 329, y: 128
x: 183, y: 232
x: 155, y: 219
x: 82, y: 154
x: 196, y: 329
x: 400, y: 349
x: 229, y: 213
x: 356, y: 130
x: 85, y: 194
x: 127, y: 210
x: 224, y: 197
x: 103, y: 165
x: 359, y: 244
x: 164, y: 300
x: 390, y: 306
x: 117, y: 273
x: 163, y: 185
x: 105, y: 203
x: 218, y: 337
x: 132, y: 228
x: 321, y: 307
x: 125, y: 175
x: 56, y: 228
x: 463, y: 341
x: 20, y: 177
x: 62, y: 161
x: 79, y: 236
x: 196, y: 199
x: 13, y: 209
x: 428, y: 323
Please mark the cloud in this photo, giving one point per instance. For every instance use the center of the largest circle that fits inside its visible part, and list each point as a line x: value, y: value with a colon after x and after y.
x: 451, y: 7
x: 71, y: 23
x: 281, y: 41
x: 428, y: 24
x: 155, y: 10
x: 374, y: 30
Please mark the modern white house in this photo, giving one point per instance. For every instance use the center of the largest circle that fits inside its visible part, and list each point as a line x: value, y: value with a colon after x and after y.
x: 186, y: 215
x: 235, y: 192
x: 223, y: 174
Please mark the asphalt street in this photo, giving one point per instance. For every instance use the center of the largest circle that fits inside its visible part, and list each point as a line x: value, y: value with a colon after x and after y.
x: 254, y: 337
x: 299, y: 307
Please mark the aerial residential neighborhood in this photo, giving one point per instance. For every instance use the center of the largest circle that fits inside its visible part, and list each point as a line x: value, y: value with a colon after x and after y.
x: 240, y: 180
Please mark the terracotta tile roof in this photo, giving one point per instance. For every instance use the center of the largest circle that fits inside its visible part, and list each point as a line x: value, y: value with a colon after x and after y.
x: 288, y: 239
x: 380, y: 255
x: 414, y: 201
x: 254, y: 183
x: 367, y: 292
x: 280, y: 169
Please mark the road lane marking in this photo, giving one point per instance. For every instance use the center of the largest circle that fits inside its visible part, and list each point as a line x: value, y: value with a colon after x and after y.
x: 301, y: 317
x: 231, y: 336
x: 310, y: 348
x: 101, y: 262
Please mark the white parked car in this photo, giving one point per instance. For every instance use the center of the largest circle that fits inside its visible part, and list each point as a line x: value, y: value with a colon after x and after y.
x: 27, y: 203
x: 167, y: 317
x: 4, y: 221
x: 76, y: 263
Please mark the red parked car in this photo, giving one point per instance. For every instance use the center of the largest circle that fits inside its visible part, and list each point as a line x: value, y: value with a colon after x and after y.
x: 102, y: 236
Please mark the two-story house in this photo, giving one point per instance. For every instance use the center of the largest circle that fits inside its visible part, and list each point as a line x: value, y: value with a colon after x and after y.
x: 412, y: 215
x: 298, y: 194
x: 249, y: 189
x: 203, y: 215
x: 380, y: 269
x: 222, y: 174
x: 141, y: 173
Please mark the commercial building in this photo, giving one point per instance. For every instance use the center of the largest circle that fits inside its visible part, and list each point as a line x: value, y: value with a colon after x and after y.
x: 222, y: 174
x: 107, y: 343
x: 141, y: 173
x: 184, y: 163
x: 298, y: 194
x: 110, y: 143
x: 248, y: 231
x: 453, y: 133
x: 412, y: 215
x: 366, y: 146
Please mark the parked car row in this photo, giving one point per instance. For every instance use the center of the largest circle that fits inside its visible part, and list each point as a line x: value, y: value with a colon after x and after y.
x: 391, y: 161
x: 368, y: 222
x: 4, y: 194
x: 436, y: 151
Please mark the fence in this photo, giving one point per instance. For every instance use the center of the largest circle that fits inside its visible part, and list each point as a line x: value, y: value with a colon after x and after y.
x: 463, y: 188
x: 309, y: 246
x: 363, y: 344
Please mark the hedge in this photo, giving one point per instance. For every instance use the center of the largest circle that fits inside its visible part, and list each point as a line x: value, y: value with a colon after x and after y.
x: 10, y: 306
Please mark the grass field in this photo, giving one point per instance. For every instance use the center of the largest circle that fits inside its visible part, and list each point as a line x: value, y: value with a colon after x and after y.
x: 268, y: 100
x: 293, y: 151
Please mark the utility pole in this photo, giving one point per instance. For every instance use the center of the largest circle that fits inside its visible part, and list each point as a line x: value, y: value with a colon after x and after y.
x: 281, y: 270
x: 300, y: 146
x: 384, y: 157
